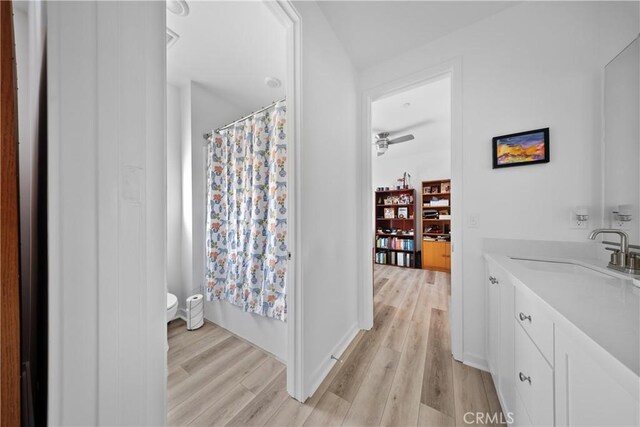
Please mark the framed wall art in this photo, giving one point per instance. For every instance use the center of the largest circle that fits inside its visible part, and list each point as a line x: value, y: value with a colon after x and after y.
x: 519, y: 149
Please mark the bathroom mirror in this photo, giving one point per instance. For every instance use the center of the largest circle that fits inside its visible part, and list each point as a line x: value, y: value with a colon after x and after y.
x: 621, y: 192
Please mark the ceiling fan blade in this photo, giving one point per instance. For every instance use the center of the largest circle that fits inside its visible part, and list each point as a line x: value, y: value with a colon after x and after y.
x: 401, y: 139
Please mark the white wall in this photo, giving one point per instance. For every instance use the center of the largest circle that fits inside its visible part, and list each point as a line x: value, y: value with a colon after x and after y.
x: 328, y: 174
x: 428, y: 156
x: 186, y: 284
x: 533, y: 65
x: 432, y: 163
x: 174, y: 193
x: 106, y: 213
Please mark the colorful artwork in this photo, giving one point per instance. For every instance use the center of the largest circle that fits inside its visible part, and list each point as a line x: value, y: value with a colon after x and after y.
x: 522, y: 148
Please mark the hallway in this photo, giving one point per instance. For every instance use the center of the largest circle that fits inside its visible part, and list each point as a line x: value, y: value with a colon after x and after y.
x: 398, y: 373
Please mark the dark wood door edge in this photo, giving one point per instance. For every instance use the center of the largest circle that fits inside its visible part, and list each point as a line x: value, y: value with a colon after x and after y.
x: 9, y: 227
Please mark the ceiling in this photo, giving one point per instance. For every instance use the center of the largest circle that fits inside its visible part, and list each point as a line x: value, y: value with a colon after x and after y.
x: 375, y: 31
x: 229, y: 47
x: 428, y: 118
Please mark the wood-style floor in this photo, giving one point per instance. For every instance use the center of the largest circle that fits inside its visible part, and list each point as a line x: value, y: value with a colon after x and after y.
x: 399, y: 373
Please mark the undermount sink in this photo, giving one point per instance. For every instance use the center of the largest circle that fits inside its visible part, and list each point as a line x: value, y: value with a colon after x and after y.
x: 560, y: 267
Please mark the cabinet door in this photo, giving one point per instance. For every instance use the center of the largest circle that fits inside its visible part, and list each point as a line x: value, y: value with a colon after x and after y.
x: 588, y: 393
x: 432, y: 255
x: 506, y: 381
x: 428, y: 255
x: 447, y: 256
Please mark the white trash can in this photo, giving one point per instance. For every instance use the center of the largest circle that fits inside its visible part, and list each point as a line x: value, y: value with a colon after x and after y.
x: 195, y: 312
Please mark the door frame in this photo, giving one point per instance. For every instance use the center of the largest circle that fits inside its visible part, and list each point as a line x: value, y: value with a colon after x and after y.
x: 453, y: 68
x: 285, y: 12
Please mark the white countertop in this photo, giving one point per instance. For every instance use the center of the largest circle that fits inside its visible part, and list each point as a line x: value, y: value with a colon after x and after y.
x: 605, y: 308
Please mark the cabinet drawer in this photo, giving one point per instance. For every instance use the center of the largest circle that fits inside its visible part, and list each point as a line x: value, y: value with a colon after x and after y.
x: 534, y: 380
x: 535, y: 320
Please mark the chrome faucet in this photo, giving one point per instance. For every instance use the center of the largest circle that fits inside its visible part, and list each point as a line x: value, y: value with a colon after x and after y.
x: 621, y: 259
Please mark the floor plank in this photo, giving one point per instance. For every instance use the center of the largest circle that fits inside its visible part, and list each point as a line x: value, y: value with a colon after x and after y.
x: 263, y: 375
x: 396, y: 294
x: 258, y: 411
x: 330, y: 411
x: 203, y: 359
x: 437, y: 384
x: 176, y: 374
x: 367, y: 407
x: 379, y: 283
x: 189, y: 388
x: 222, y: 410
x: 469, y: 394
x: 394, y: 339
x: 422, y: 311
x: 492, y: 395
x: 352, y: 374
x: 291, y: 413
x: 403, y: 404
x: 408, y: 305
x: 216, y: 388
x: 180, y: 352
x: 430, y: 417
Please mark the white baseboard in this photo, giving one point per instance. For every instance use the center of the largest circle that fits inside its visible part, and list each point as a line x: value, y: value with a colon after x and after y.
x: 323, y: 370
x: 182, y: 313
x: 475, y: 361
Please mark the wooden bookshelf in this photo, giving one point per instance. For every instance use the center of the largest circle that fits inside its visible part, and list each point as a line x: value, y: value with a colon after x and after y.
x: 396, y: 233
x: 435, y: 224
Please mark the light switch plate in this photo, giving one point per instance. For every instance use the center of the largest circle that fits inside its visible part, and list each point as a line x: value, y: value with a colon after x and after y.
x: 473, y: 221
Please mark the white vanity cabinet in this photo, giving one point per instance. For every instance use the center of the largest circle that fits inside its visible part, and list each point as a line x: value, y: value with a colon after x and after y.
x: 546, y: 370
x: 500, y: 336
x: 591, y: 389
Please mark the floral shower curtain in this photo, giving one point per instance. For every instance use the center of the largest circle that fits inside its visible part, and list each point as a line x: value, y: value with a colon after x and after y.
x: 247, y: 214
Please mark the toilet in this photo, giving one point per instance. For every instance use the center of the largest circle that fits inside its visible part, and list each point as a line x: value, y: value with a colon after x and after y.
x: 172, y: 306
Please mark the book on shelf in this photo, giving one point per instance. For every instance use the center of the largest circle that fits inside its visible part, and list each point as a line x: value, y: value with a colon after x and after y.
x: 401, y: 259
x: 394, y: 243
x: 445, y: 216
x: 437, y: 203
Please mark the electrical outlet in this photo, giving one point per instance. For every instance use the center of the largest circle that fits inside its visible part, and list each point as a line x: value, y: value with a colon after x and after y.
x: 576, y: 224
x: 616, y: 224
x: 621, y: 225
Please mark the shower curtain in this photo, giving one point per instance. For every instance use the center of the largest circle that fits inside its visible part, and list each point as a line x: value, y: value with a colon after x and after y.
x: 247, y: 214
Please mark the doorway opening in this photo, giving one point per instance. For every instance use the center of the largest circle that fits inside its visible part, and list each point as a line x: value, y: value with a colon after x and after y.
x: 411, y: 183
x: 430, y: 164
x: 219, y: 72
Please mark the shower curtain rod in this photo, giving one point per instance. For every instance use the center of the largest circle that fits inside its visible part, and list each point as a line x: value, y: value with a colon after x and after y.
x: 208, y: 135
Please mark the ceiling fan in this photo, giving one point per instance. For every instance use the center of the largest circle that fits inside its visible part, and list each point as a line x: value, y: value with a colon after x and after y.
x: 382, y: 141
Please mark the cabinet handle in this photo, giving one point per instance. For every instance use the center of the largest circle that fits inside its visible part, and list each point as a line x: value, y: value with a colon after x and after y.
x: 524, y: 317
x: 524, y: 378
x: 493, y: 280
